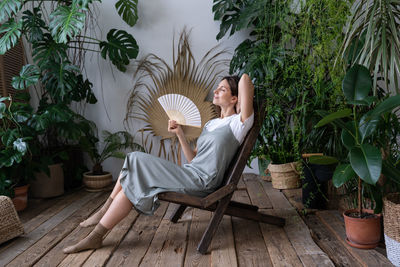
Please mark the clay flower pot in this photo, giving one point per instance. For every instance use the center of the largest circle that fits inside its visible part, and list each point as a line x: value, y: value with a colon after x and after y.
x: 20, y: 199
x: 364, y: 233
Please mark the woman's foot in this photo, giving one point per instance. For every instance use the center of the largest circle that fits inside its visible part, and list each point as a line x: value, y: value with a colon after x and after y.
x: 92, y: 241
x: 95, y: 218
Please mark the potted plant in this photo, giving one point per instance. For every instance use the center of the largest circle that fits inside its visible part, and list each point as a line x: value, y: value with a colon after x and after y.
x: 56, y: 34
x: 97, y: 179
x: 15, y: 155
x: 364, y: 161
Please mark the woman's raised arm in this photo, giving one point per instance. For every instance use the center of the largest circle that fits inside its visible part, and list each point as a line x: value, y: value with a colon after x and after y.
x: 245, y: 97
x: 175, y: 128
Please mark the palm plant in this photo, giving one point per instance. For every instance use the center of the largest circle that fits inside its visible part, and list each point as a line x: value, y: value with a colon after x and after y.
x: 113, y: 143
x: 373, y: 40
x: 184, y: 77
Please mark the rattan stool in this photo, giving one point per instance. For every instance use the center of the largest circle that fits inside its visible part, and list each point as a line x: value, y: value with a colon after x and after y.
x: 10, y: 225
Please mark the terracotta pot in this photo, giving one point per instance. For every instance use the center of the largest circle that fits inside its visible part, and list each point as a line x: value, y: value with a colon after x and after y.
x: 364, y: 233
x: 20, y: 199
x: 96, y: 182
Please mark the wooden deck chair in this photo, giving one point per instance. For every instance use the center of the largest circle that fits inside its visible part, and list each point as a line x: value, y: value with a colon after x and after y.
x: 220, y: 200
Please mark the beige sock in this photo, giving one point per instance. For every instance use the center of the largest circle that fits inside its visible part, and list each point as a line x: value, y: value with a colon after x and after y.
x: 95, y: 218
x: 92, y: 241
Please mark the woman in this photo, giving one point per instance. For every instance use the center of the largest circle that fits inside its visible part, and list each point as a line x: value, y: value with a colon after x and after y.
x: 143, y: 176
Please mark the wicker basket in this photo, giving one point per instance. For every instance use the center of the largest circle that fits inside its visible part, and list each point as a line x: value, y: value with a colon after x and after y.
x: 10, y: 225
x: 391, y: 224
x: 96, y: 182
x: 285, y: 176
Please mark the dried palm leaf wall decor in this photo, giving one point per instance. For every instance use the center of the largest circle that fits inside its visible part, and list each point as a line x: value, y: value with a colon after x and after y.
x: 156, y: 78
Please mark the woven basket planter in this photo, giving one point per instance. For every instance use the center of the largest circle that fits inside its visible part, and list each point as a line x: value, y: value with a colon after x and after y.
x: 391, y: 226
x: 10, y: 225
x: 96, y: 182
x: 285, y: 176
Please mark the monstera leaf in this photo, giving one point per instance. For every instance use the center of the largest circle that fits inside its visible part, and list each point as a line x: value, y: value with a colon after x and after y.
x: 120, y: 48
x: 60, y: 79
x: 33, y: 24
x: 29, y: 75
x: 127, y: 9
x: 9, y: 7
x: 66, y: 22
x: 11, y: 31
x: 48, y: 50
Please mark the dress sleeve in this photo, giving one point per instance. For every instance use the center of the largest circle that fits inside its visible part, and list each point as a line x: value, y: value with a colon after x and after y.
x: 240, y: 128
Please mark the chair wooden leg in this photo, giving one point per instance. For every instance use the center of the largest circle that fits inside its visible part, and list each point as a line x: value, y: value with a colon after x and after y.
x: 177, y: 214
x: 254, y: 215
x: 213, y: 224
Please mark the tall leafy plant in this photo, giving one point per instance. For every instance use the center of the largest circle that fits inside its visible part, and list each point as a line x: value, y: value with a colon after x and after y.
x: 373, y: 40
x: 359, y: 125
x: 56, y: 35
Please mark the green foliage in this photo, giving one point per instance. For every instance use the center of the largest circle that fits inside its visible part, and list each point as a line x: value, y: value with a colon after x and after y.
x: 66, y: 22
x: 11, y: 31
x: 9, y: 7
x: 120, y: 47
x: 128, y: 11
x: 372, y: 39
x: 113, y: 143
x: 289, y: 56
x: 33, y: 25
x: 29, y: 75
x: 360, y: 133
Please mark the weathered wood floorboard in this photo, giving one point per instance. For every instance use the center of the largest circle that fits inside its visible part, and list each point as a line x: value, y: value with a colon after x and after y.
x: 169, y: 243
x: 329, y: 243
x: 250, y: 246
x: 198, y: 225
x: 26, y: 241
x: 222, y: 247
x: 256, y: 192
x: 364, y: 257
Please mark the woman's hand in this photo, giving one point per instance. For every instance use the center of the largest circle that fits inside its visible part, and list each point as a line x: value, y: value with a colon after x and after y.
x: 174, y: 127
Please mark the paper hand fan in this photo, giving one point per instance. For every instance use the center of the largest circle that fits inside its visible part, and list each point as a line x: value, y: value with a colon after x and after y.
x: 181, y: 109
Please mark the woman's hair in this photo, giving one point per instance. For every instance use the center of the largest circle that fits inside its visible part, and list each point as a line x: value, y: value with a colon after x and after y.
x: 233, y: 82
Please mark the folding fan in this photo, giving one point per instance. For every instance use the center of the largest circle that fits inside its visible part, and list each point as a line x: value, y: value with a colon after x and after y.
x: 181, y: 109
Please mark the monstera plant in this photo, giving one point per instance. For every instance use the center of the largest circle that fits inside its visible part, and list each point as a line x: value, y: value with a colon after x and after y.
x: 360, y: 125
x: 59, y: 34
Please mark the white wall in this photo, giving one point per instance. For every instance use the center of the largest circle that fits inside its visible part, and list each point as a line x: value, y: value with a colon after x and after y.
x: 158, y: 21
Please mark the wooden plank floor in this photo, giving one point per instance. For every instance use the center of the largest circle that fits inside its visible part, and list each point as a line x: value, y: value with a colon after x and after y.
x: 140, y: 240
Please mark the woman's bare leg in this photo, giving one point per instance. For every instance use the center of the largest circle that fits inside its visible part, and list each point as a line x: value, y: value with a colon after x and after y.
x: 119, y: 209
x: 95, y: 218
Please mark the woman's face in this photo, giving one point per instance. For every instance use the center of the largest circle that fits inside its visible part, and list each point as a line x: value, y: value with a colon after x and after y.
x: 223, y: 95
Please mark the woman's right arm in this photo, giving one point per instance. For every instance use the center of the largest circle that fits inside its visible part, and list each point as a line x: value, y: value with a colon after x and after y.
x: 175, y: 128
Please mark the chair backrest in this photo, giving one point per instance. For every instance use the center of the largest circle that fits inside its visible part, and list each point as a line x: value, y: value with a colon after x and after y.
x: 236, y: 167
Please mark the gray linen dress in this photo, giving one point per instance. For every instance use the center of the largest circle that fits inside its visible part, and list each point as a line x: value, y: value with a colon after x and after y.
x: 143, y: 176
